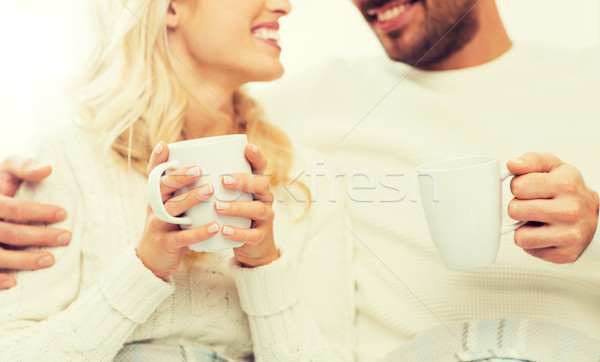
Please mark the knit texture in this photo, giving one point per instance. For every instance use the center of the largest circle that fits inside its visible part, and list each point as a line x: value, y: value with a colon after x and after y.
x: 99, y: 299
x: 376, y: 120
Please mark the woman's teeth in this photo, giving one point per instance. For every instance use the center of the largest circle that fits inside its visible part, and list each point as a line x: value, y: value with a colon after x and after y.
x: 267, y: 34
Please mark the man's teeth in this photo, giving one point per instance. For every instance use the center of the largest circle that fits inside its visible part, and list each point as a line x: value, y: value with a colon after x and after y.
x: 268, y: 34
x: 392, y: 13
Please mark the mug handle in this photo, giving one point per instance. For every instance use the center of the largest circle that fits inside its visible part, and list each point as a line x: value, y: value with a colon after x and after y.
x: 155, y: 197
x: 508, y: 228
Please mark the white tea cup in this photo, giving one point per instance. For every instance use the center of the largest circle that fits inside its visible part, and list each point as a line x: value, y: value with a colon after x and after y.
x: 217, y: 157
x: 462, y: 200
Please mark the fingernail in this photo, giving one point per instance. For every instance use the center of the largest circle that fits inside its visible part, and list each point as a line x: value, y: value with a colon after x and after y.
x: 205, y: 190
x: 227, y: 230
x: 45, y: 261
x: 213, y: 228
x: 228, y: 180
x: 64, y: 238
x: 222, y: 205
x: 60, y: 215
x: 8, y: 284
x: 193, y: 172
x: 35, y: 166
x: 518, y: 161
x: 253, y: 148
x: 158, y: 149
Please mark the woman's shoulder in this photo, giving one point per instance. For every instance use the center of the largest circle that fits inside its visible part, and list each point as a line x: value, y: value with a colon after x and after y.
x: 69, y: 142
x: 72, y: 151
x: 313, y: 188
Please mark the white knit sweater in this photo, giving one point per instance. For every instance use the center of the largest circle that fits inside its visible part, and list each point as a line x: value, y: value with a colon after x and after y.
x: 376, y: 120
x: 99, y: 297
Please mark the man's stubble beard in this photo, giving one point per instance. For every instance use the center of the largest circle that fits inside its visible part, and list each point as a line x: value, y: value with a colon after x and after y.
x: 440, y: 36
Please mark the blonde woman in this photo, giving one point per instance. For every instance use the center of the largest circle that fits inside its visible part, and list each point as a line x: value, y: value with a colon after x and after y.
x: 126, y: 286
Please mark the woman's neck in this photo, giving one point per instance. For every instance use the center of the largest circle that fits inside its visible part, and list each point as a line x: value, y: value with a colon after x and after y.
x: 209, y: 112
x: 210, y: 108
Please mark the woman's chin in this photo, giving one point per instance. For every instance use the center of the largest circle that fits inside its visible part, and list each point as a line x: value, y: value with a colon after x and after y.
x: 273, y: 73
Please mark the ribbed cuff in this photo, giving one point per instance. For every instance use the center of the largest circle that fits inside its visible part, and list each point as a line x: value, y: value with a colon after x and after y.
x: 268, y: 289
x: 133, y: 289
x: 592, y: 252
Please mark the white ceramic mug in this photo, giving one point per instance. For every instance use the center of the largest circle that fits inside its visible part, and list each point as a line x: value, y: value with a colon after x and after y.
x: 216, y: 157
x: 462, y: 200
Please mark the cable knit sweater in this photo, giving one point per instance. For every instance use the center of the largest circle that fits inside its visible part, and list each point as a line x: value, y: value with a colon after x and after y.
x: 99, y: 299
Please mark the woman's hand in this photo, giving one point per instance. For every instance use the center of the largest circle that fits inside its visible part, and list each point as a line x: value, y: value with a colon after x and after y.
x: 163, y: 244
x: 259, y: 245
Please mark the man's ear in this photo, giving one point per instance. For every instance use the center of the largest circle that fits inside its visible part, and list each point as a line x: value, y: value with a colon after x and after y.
x: 174, y: 14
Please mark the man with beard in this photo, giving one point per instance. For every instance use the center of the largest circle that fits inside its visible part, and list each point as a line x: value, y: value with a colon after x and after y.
x: 456, y: 85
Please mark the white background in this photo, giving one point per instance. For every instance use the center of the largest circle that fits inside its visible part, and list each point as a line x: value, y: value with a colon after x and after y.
x: 44, y: 41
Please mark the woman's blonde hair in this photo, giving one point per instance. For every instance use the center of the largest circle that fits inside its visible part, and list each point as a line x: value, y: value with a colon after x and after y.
x: 131, y: 96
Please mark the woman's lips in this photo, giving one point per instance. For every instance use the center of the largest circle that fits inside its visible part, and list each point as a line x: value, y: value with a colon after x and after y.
x: 268, y: 33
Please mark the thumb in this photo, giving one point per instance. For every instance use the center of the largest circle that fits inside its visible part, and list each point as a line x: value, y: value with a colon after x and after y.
x: 534, y: 162
x: 20, y: 168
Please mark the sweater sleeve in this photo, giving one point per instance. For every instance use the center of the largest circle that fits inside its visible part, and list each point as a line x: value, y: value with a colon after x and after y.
x: 46, y: 316
x: 592, y: 252
x: 301, y: 307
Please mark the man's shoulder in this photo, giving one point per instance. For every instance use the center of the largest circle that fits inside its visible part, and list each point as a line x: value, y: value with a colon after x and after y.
x: 326, y: 82
x: 335, y: 69
x: 549, y: 58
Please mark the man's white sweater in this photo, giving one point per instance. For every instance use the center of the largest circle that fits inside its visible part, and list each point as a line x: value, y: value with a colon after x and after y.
x: 376, y: 120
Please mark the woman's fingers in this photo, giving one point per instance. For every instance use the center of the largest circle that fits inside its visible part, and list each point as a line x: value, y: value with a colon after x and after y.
x: 185, y: 238
x: 181, y: 203
x: 172, y: 181
x: 159, y: 155
x: 255, y: 210
x: 246, y: 236
x: 257, y: 160
x: 257, y: 185
x: 179, y: 178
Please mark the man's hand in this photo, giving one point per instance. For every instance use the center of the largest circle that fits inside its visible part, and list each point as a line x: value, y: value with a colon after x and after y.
x: 562, y: 210
x: 13, y: 237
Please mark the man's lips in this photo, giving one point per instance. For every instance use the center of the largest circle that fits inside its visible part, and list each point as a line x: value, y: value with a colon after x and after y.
x: 390, y: 16
x: 389, y: 6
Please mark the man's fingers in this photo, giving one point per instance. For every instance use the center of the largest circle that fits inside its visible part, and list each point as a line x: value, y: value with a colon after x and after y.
x: 553, y: 255
x: 532, y: 236
x: 28, y: 211
x: 257, y: 160
x: 534, y: 186
x: 7, y: 281
x: 546, y: 211
x: 26, y: 235
x: 25, y: 260
x: 534, y: 162
x: 159, y: 155
x: 25, y: 168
